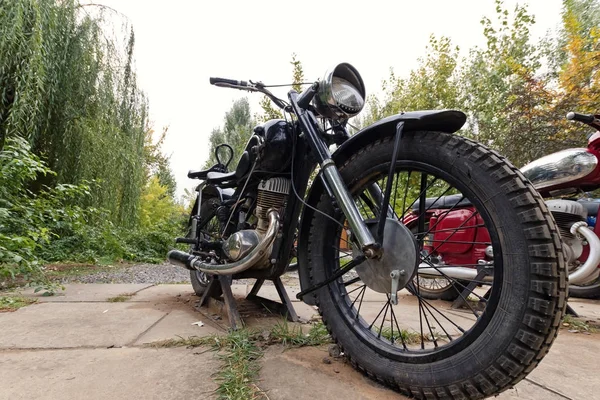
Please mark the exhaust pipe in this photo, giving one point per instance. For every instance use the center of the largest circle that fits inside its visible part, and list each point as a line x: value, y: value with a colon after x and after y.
x: 590, y: 267
x: 582, y: 275
x: 451, y: 272
x: 193, y: 263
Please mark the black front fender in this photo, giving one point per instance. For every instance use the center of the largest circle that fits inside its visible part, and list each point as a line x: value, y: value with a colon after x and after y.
x: 448, y: 121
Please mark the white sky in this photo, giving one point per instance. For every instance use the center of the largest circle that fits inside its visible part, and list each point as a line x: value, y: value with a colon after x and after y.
x: 181, y: 43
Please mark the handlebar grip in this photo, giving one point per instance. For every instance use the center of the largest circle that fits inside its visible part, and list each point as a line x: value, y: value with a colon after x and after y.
x: 587, y: 119
x: 217, y: 81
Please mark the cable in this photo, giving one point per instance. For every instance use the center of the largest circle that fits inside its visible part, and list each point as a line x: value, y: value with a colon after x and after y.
x: 294, y: 186
x: 289, y: 84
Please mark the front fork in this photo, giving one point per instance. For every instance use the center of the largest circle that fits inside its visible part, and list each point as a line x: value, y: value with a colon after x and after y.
x: 370, y: 245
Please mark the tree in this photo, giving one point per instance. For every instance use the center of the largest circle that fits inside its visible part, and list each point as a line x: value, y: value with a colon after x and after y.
x: 270, y: 111
x: 69, y: 88
x: 432, y: 85
x: 237, y: 128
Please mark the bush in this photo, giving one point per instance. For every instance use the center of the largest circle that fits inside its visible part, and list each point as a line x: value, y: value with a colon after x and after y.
x: 52, y: 225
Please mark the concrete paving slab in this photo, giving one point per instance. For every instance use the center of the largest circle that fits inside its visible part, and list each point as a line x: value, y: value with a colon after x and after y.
x: 111, y: 374
x: 178, y: 323
x: 57, y: 325
x: 162, y: 293
x: 87, y: 292
x: 525, y: 390
x: 300, y: 374
x: 588, y: 309
x: 571, y: 365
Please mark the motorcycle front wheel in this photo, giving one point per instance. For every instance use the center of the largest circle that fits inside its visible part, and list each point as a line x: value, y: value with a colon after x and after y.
x: 423, y: 347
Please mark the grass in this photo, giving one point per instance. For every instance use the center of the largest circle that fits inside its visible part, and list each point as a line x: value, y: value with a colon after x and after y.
x: 575, y: 324
x: 59, y: 271
x: 13, y: 303
x: 239, y: 351
x: 120, y: 298
x: 239, y: 370
x: 410, y: 337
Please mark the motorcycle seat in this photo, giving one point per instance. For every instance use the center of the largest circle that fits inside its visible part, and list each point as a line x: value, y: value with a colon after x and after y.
x: 590, y: 206
x: 220, y: 177
x: 443, y: 202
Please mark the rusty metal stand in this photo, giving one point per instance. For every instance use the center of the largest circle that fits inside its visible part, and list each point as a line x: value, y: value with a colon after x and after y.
x: 285, y: 308
x: 460, y: 301
x: 570, y: 311
x: 224, y: 282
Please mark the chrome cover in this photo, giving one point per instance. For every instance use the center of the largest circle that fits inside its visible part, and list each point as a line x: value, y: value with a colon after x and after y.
x: 560, y: 167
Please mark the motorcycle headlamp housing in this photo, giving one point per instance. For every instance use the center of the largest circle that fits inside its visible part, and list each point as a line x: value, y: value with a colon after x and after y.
x: 341, y: 93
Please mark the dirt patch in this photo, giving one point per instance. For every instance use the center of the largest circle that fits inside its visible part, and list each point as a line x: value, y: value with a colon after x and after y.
x: 310, y: 372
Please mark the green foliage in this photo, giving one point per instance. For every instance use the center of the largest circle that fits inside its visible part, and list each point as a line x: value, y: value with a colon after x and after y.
x: 271, y: 111
x: 515, y: 92
x: 71, y: 92
x: 81, y: 177
x: 13, y: 303
x: 433, y: 85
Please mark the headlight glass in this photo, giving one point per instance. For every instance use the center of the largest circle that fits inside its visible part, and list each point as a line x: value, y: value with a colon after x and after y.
x: 561, y: 167
x: 347, y: 96
x: 341, y: 93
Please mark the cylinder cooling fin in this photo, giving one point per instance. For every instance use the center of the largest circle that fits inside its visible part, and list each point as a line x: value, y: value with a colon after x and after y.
x: 272, y: 194
x: 566, y: 213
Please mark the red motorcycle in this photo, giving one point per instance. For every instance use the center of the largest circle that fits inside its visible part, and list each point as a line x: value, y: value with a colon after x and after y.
x: 458, y: 256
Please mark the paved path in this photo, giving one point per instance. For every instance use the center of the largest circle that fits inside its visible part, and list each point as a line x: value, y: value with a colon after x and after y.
x: 79, y: 345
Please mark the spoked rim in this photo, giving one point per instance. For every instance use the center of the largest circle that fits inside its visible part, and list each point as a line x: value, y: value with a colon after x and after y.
x: 434, y: 285
x: 210, y: 231
x: 439, y: 333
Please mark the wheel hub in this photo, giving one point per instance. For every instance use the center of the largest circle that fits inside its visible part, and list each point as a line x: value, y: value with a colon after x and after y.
x: 398, y: 263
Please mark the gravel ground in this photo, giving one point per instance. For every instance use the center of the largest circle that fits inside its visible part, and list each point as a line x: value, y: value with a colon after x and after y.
x: 143, y: 273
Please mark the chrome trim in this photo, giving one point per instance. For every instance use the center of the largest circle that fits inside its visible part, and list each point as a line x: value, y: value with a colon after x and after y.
x: 240, y: 244
x: 257, y: 254
x: 561, y: 167
x: 582, y: 274
x: 346, y: 203
x: 451, y: 272
x: 325, y: 101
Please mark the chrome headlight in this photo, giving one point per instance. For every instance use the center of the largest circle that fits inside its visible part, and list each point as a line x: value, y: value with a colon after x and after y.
x: 341, y: 93
x: 561, y: 167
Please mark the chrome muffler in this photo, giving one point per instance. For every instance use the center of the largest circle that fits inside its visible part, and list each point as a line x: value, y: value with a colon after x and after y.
x: 589, y: 269
x: 258, y: 253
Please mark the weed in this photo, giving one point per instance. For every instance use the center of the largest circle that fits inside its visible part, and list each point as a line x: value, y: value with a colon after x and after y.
x: 575, y: 324
x: 13, y: 303
x: 293, y: 336
x: 240, y: 349
x: 120, y: 298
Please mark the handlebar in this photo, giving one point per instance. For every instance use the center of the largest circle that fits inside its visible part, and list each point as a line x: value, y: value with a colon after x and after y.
x: 249, y: 86
x: 227, y: 82
x: 585, y: 118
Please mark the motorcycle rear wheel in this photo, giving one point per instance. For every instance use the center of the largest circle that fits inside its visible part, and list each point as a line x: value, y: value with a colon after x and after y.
x: 208, y: 226
x: 522, y: 311
x: 591, y: 291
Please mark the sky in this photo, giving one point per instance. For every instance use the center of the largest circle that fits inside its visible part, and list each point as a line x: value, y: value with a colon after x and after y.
x: 181, y: 43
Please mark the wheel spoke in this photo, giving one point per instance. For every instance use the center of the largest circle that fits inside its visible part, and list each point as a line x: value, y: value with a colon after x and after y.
x: 438, y: 325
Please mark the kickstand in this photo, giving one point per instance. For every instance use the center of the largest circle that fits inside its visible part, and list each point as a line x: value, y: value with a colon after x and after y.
x: 232, y: 312
x: 461, y: 300
x: 285, y: 308
x: 570, y: 311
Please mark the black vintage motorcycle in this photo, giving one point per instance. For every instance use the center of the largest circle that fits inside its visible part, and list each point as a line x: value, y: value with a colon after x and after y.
x: 360, y: 264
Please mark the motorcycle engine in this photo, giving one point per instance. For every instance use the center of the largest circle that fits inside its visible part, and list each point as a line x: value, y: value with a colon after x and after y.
x: 566, y: 213
x: 272, y: 194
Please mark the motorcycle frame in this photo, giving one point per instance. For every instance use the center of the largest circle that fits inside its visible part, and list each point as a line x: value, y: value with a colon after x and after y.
x: 311, y: 148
